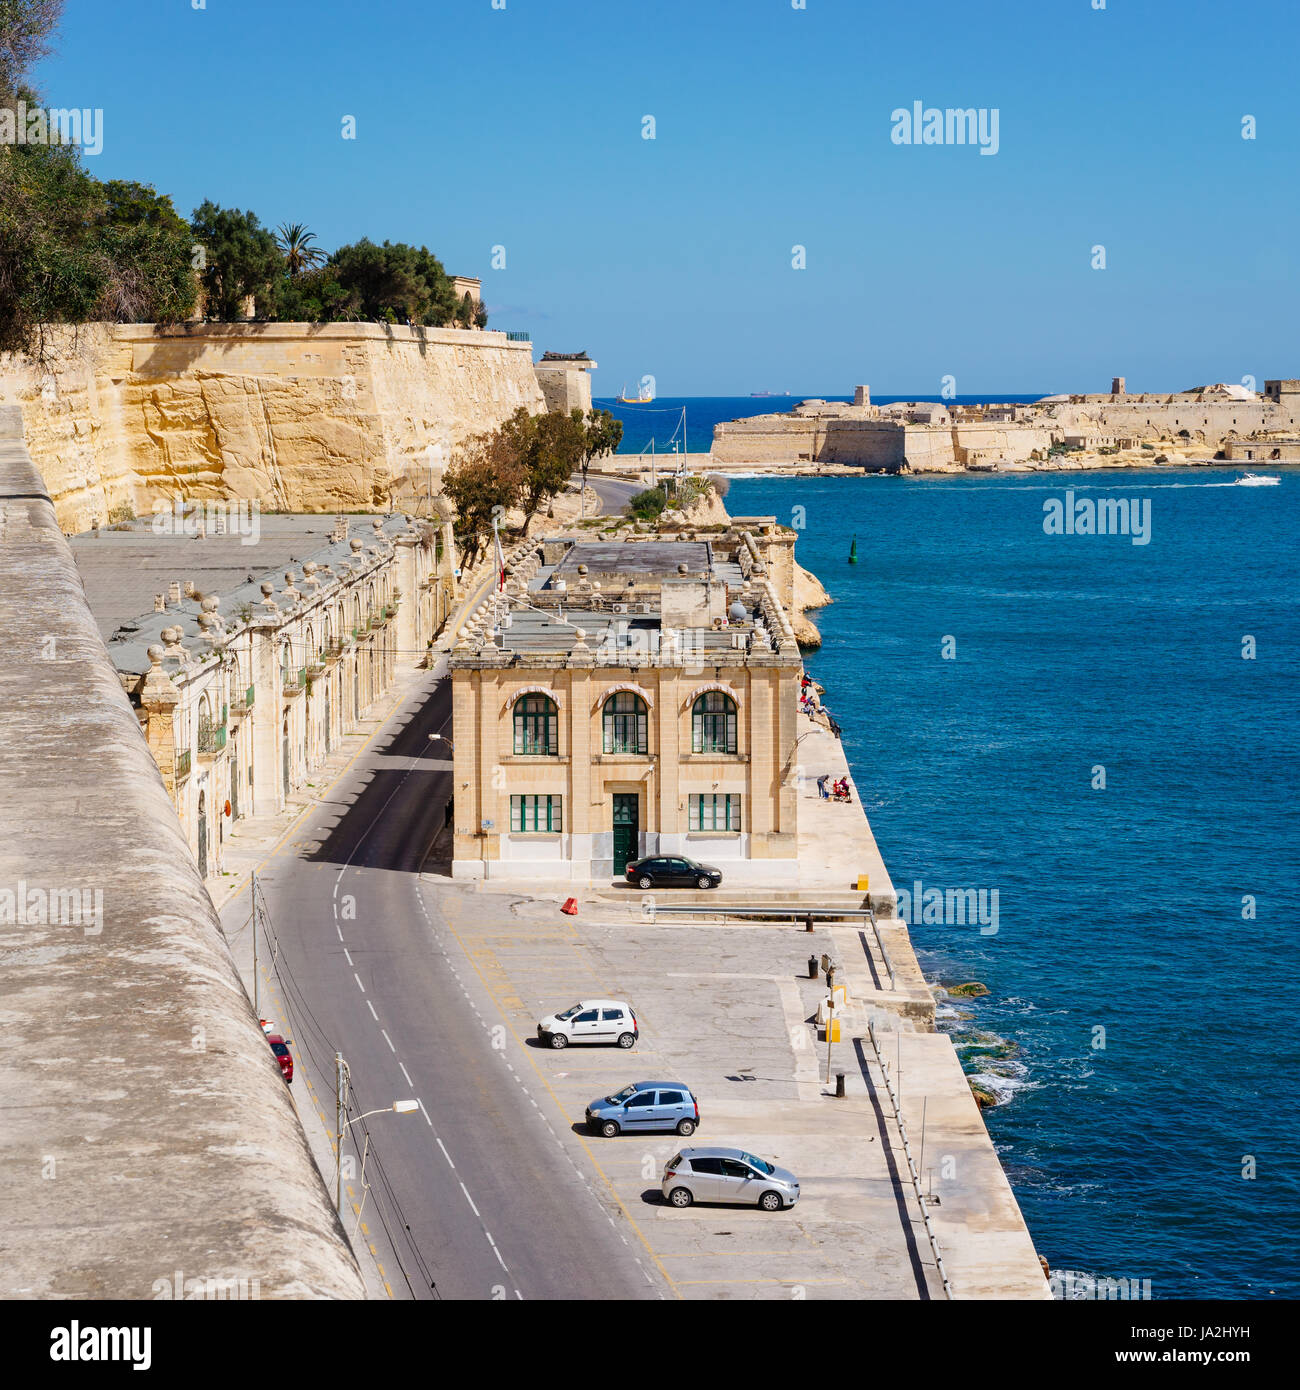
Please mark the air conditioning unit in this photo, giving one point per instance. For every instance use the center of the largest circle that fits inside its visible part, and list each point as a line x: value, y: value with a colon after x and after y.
x: 719, y: 624
x: 620, y: 608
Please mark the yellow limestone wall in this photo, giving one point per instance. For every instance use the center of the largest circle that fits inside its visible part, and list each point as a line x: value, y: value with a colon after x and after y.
x: 302, y: 417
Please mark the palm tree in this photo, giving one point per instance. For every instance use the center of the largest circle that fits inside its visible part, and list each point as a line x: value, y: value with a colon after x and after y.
x: 295, y: 243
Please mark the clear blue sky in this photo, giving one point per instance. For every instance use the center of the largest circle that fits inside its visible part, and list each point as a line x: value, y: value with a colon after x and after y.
x: 522, y: 127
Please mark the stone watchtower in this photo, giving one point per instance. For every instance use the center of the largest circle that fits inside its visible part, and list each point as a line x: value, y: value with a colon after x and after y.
x: 1117, y: 386
x: 862, y: 395
x: 565, y: 379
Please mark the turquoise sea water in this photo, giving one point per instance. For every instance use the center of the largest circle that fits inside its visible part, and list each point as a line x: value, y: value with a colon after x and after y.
x: 1124, y: 908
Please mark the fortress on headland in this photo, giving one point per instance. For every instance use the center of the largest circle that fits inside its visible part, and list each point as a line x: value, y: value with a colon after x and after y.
x: 1220, y: 420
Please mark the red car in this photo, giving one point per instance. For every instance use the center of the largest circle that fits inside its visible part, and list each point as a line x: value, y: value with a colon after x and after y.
x: 282, y: 1055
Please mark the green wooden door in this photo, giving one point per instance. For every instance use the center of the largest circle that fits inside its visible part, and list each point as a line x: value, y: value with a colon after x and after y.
x: 626, y: 826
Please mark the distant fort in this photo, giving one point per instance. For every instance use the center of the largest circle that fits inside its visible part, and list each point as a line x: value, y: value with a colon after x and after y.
x: 1116, y: 429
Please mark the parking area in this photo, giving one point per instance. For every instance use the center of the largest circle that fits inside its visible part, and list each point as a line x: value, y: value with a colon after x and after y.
x: 725, y: 1010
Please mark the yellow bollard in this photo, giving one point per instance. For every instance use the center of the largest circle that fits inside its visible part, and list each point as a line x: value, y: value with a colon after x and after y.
x: 864, y: 883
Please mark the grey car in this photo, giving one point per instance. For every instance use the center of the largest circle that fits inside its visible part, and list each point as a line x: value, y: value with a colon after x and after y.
x: 727, y: 1175
x: 645, y: 1105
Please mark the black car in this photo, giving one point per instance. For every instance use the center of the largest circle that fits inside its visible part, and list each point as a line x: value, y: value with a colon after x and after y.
x: 670, y: 871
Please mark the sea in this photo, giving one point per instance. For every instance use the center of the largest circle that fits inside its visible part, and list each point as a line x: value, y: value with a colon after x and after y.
x: 1103, y: 732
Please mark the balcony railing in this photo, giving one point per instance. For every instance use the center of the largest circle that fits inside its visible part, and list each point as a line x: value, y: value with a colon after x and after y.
x: 212, y: 740
x: 515, y: 337
x: 334, y: 649
x: 294, y: 682
x: 182, y: 764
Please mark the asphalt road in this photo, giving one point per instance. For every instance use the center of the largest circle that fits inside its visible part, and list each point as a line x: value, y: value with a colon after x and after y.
x: 484, y: 1192
x: 614, y: 493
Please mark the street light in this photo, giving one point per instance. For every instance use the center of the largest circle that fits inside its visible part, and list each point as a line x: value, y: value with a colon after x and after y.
x: 401, y: 1107
x: 342, y: 1078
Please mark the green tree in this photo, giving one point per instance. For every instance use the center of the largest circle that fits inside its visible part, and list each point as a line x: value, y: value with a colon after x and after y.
x: 73, y: 249
x: 648, y: 505
x: 549, y: 448
x: 485, y: 480
x: 314, y: 296
x: 25, y: 30
x: 240, y: 258
x: 395, y: 282
x: 295, y: 243
x: 150, y: 245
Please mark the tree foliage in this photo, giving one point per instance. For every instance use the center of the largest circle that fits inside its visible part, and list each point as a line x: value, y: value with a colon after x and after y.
x: 239, y: 258
x: 73, y: 249
x: 297, y: 248
x: 602, y: 433
x: 484, y: 482
x: 394, y: 282
x: 25, y: 29
x: 648, y: 505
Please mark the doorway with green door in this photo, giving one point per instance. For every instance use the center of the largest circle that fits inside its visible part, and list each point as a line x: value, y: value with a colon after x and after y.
x: 627, y: 829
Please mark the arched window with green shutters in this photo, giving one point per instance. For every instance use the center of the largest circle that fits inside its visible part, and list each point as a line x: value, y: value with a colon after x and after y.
x: 713, y: 723
x: 625, y: 723
x: 535, y: 726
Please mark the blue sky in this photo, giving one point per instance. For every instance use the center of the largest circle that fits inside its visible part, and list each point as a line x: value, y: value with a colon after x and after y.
x: 522, y: 127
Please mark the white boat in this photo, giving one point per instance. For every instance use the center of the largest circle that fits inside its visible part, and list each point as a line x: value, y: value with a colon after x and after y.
x: 1258, y: 480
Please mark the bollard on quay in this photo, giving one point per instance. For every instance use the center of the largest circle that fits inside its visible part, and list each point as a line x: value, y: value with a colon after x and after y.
x: 812, y: 967
x: 839, y: 1085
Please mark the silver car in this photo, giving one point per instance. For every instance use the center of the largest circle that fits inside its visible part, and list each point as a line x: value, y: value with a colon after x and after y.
x: 727, y: 1175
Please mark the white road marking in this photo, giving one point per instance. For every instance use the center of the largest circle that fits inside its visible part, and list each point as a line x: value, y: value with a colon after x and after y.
x: 348, y: 953
x: 388, y: 1040
x: 373, y: 1014
x: 470, y: 1200
x: 357, y: 978
x: 407, y: 1074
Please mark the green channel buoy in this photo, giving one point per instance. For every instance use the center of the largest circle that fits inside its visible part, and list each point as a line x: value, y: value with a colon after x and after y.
x: 853, y: 550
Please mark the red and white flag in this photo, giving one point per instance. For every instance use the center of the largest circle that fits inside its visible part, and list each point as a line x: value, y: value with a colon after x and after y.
x: 501, y: 560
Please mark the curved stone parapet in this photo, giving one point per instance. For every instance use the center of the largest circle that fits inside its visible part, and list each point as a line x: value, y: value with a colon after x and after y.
x: 149, y: 1146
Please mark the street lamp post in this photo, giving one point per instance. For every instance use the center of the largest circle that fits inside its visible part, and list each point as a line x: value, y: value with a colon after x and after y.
x: 342, y: 1077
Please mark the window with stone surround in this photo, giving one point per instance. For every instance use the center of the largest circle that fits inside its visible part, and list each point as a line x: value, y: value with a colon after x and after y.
x: 625, y: 723
x: 535, y: 727
x: 713, y: 723
x: 535, y: 814
x: 714, y: 811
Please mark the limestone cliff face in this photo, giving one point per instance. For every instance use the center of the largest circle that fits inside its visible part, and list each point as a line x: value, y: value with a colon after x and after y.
x: 302, y: 417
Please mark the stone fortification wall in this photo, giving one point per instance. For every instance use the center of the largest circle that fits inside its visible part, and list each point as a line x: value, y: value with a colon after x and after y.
x: 853, y: 439
x: 1155, y: 417
x: 147, y: 1129
x: 765, y: 439
x: 302, y: 417
x: 998, y: 440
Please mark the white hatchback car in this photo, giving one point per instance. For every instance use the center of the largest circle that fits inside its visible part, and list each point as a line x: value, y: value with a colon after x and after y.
x: 591, y: 1021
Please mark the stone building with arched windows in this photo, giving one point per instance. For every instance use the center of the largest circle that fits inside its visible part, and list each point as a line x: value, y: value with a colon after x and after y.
x: 627, y: 698
x: 257, y: 656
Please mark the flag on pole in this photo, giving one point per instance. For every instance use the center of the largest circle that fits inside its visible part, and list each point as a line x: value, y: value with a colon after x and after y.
x: 501, y: 559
